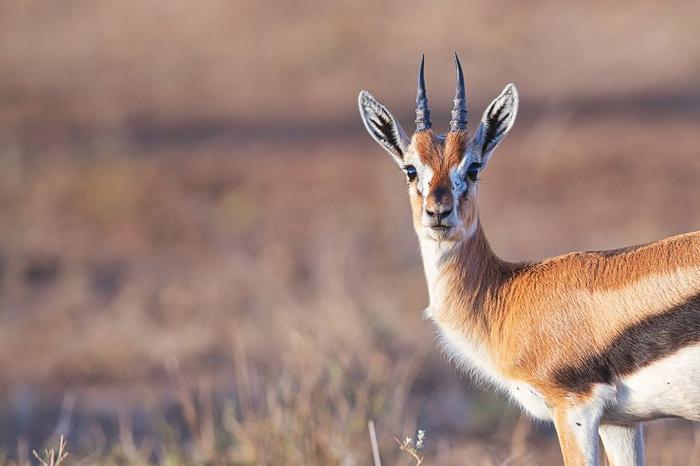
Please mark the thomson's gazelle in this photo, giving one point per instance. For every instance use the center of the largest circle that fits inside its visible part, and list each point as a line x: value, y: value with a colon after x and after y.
x: 594, y: 341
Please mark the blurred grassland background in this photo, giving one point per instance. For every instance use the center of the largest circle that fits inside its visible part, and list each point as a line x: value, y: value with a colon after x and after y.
x: 204, y: 259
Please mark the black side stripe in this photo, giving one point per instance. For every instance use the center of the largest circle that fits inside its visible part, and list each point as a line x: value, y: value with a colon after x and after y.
x: 637, y: 346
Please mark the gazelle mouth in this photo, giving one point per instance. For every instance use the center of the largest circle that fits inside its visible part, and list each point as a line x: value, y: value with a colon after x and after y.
x: 441, y: 232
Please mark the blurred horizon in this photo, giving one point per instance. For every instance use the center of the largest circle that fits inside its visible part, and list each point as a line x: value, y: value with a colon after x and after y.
x: 95, y: 67
x: 204, y: 258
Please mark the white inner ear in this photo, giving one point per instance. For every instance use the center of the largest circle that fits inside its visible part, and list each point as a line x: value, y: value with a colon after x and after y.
x: 496, y: 122
x: 382, y: 126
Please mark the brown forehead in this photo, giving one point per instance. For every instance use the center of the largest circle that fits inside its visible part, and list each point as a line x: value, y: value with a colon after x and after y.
x: 440, y: 156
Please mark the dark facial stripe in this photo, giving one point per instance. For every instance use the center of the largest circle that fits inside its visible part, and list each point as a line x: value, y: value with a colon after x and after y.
x: 638, y: 346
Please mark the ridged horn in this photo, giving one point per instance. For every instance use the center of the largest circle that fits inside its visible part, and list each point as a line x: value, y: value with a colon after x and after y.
x: 459, y: 110
x: 422, y: 110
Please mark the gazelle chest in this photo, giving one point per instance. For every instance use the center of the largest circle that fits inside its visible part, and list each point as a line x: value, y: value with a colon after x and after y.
x: 474, y: 358
x: 469, y: 355
x: 464, y: 348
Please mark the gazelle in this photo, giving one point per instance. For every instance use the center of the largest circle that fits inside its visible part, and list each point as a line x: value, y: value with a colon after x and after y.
x: 596, y: 342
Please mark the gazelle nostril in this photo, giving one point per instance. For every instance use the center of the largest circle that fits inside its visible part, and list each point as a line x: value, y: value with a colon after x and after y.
x: 445, y: 213
x: 430, y: 213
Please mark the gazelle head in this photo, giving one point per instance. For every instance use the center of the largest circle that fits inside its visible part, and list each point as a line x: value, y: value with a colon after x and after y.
x: 442, y: 169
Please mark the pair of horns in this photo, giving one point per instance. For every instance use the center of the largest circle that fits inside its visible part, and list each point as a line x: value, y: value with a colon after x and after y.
x: 458, y: 121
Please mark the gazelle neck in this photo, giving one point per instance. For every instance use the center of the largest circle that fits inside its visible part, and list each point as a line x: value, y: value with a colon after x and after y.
x: 467, y: 269
x: 436, y: 255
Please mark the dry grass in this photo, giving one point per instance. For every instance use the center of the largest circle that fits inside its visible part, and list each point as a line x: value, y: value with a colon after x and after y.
x: 53, y: 457
x: 224, y: 313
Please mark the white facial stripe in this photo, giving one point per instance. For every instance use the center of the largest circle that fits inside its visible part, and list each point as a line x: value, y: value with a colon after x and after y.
x: 426, y: 179
x: 469, y: 157
x: 425, y: 173
x: 459, y: 183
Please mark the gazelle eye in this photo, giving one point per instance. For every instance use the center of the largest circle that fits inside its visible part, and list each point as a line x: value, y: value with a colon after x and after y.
x: 473, y: 171
x: 411, y: 172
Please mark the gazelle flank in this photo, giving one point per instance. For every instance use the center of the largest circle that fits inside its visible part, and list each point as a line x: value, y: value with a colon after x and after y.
x: 596, y: 342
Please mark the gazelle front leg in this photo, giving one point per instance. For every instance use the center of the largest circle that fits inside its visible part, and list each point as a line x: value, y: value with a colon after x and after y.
x: 578, y: 436
x: 577, y: 418
x: 624, y: 445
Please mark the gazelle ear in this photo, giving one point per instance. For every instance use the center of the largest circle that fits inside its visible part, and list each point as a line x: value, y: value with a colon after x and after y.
x: 495, y: 124
x: 382, y: 126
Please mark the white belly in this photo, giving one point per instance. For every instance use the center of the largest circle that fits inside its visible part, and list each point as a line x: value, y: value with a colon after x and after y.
x: 668, y: 388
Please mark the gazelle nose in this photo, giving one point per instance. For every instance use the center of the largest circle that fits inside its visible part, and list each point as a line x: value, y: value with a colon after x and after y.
x: 439, y: 213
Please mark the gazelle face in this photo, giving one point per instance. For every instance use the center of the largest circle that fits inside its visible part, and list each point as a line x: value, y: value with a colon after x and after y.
x: 442, y: 193
x: 442, y: 169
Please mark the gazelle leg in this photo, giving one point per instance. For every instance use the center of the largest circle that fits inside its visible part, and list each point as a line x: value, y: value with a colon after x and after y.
x: 579, y: 443
x: 577, y: 418
x: 624, y: 445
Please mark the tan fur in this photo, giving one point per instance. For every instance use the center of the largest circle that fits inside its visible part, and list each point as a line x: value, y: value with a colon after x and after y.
x: 441, y: 158
x: 566, y: 337
x: 513, y: 308
x: 580, y: 300
x: 534, y: 321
